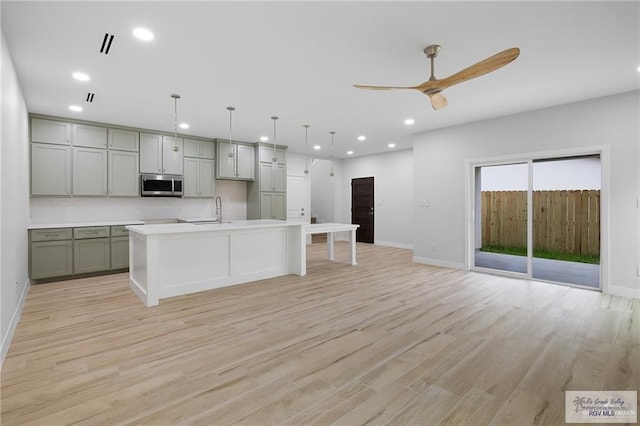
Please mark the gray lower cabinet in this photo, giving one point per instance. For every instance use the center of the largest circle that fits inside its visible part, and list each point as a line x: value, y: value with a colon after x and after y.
x: 91, y: 249
x: 273, y: 205
x: 119, y: 252
x: 51, y: 259
x: 61, y: 252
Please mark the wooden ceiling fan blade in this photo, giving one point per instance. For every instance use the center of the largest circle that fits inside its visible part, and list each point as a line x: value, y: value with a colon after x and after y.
x: 438, y: 101
x: 483, y: 67
x: 360, y: 86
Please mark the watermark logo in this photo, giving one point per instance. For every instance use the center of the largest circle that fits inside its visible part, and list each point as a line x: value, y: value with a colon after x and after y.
x: 601, y: 406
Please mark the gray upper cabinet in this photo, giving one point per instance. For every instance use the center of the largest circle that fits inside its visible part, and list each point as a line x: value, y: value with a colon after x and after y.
x: 198, y: 148
x: 172, y: 155
x: 150, y: 153
x: 235, y: 161
x: 123, y: 174
x: 267, y: 153
x: 50, y: 131
x: 199, y: 177
x: 50, y: 170
x: 124, y: 140
x: 160, y: 154
x: 89, y: 171
x: 89, y: 136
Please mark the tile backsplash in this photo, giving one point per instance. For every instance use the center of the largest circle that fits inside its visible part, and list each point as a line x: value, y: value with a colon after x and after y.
x: 87, y: 209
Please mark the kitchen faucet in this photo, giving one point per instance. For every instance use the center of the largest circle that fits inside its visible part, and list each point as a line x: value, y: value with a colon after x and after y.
x: 219, y: 209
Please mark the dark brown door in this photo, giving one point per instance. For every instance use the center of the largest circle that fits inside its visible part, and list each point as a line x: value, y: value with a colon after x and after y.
x: 362, y: 212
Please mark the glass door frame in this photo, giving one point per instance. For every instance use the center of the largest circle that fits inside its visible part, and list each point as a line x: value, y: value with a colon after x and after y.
x: 473, y: 168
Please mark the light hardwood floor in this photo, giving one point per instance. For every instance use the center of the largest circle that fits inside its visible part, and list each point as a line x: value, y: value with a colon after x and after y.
x: 385, y: 342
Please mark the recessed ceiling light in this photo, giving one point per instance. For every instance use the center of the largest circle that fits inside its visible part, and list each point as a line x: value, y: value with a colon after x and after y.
x: 264, y: 138
x: 80, y: 76
x: 183, y: 125
x: 317, y: 147
x: 143, y: 34
x: 362, y: 137
x: 75, y: 108
x: 392, y: 145
x: 349, y: 152
x: 409, y: 121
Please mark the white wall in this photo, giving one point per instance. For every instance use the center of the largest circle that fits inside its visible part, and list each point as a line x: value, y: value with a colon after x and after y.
x: 440, y: 175
x: 86, y: 209
x: 14, y: 199
x: 393, y: 194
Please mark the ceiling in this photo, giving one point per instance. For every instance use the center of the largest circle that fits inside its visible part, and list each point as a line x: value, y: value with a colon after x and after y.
x: 298, y: 60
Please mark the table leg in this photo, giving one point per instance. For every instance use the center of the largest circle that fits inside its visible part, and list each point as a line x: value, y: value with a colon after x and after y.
x: 352, y: 247
x: 330, y: 253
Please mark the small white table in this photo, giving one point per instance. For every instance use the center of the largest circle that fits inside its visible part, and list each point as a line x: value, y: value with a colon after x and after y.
x: 330, y: 229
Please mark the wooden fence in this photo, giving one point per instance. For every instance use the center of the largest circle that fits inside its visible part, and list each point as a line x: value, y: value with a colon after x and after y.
x: 563, y: 221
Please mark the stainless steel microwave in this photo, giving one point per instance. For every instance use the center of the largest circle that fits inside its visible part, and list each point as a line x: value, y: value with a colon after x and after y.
x: 160, y: 185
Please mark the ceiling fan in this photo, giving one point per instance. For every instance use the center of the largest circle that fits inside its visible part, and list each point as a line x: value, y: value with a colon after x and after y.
x: 434, y: 86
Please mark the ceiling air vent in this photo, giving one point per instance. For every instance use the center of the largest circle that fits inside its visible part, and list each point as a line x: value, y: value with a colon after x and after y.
x: 90, y: 97
x: 106, y: 43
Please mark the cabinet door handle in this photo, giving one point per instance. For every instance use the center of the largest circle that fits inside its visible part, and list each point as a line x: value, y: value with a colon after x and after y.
x: 51, y: 235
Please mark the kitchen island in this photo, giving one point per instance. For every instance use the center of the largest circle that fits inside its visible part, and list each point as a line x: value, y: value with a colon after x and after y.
x: 174, y: 259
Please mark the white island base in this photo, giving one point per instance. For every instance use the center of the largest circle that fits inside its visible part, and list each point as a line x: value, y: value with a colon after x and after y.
x: 176, y: 259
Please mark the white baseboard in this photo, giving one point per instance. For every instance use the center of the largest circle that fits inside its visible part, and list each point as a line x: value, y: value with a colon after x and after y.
x: 15, y: 318
x: 617, y: 290
x: 395, y: 245
x: 438, y: 262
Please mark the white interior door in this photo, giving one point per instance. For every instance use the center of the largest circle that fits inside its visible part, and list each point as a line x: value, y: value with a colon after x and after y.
x: 296, y: 198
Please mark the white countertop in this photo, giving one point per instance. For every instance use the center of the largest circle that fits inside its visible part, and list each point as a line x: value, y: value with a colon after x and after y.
x: 82, y: 224
x: 177, y: 228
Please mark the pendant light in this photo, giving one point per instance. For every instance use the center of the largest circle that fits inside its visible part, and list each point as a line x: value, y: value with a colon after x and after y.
x: 230, y: 155
x: 331, y: 172
x: 306, y: 148
x: 275, y: 157
x: 175, y: 148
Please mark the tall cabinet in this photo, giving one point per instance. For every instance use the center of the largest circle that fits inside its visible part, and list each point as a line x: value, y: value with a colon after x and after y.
x: 199, y: 176
x: 267, y: 195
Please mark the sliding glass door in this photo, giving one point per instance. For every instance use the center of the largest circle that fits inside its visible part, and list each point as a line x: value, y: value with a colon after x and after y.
x: 539, y: 219
x: 501, y: 217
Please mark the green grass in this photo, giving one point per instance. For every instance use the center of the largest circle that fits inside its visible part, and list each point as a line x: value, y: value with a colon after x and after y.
x: 544, y: 254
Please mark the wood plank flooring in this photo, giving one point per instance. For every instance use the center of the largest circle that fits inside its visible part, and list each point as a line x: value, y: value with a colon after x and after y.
x: 385, y: 342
